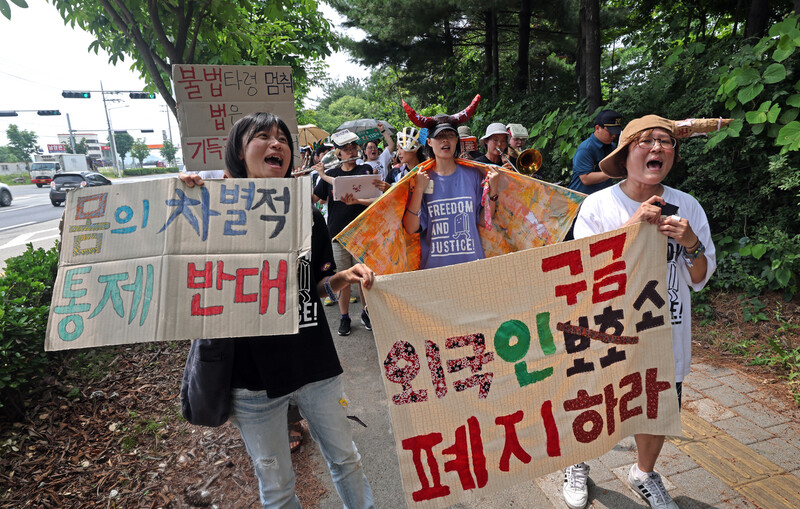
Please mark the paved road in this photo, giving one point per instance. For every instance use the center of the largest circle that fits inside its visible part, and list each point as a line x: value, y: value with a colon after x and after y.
x: 31, y: 218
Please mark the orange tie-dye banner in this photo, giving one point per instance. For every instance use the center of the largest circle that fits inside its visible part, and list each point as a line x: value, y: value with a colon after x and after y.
x: 529, y: 213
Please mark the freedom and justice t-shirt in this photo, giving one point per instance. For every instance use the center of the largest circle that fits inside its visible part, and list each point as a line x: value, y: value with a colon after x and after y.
x: 449, y: 219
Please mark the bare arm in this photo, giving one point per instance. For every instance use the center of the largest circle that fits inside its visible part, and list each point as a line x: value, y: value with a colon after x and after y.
x: 358, y: 273
x: 411, y: 221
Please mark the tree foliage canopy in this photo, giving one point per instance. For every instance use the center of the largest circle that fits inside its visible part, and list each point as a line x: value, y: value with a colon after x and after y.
x: 123, y: 142
x: 678, y: 60
x: 158, y: 34
x: 140, y: 150
x: 168, y: 151
x: 21, y: 143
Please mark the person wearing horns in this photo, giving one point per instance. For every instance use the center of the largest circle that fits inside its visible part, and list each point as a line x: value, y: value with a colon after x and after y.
x: 647, y: 151
x: 254, y: 379
x: 447, y: 199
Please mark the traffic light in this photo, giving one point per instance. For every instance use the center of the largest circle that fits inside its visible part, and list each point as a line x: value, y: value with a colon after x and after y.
x: 46, y: 113
x: 120, y: 132
x: 9, y: 114
x: 142, y: 95
x: 72, y: 94
x: 146, y: 130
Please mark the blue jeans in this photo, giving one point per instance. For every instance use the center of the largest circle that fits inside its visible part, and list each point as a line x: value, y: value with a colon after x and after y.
x: 262, y: 423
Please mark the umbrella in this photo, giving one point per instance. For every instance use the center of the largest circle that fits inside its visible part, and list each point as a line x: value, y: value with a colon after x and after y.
x: 365, y: 124
x: 309, y: 133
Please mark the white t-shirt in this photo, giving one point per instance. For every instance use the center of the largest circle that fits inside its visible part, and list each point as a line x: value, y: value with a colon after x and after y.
x: 607, y: 209
x: 382, y: 165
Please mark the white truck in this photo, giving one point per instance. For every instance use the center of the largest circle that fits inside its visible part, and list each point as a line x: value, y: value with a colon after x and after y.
x: 45, y: 166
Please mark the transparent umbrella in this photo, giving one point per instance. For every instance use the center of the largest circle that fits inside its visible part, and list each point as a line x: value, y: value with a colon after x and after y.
x: 365, y: 124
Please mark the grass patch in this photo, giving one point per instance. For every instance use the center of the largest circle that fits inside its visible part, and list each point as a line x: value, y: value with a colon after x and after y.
x: 16, y: 179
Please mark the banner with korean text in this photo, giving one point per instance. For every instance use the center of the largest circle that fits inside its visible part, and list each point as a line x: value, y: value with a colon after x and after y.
x: 211, y: 98
x: 156, y: 260
x: 505, y: 369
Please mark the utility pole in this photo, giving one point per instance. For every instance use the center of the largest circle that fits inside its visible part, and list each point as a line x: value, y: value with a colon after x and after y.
x: 110, y: 134
x: 71, y: 136
x: 169, y: 124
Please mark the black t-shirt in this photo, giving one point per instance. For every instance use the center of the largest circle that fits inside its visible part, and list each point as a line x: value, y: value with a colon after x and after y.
x: 339, y: 213
x: 282, y: 364
x: 485, y: 160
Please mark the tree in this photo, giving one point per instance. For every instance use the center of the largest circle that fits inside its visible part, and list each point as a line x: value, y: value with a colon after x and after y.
x: 124, y: 142
x: 168, y: 151
x: 22, y: 143
x: 589, y: 53
x: 80, y: 148
x: 5, y: 10
x: 7, y: 155
x: 140, y: 150
x: 157, y: 35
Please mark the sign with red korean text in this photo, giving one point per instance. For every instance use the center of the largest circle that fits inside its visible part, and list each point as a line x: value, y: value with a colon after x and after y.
x: 156, y: 261
x: 509, y: 368
x: 211, y: 98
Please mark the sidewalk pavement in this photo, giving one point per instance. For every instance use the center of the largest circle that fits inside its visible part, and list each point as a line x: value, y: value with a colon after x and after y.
x: 741, y: 447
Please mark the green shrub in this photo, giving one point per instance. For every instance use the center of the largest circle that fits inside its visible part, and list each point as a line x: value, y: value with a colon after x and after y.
x: 768, y: 261
x: 133, y: 172
x: 26, y: 289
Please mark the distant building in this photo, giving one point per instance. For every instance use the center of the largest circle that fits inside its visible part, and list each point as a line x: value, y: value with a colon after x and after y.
x: 97, y: 150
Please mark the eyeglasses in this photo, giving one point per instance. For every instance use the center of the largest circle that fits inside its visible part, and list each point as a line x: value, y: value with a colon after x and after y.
x: 648, y: 143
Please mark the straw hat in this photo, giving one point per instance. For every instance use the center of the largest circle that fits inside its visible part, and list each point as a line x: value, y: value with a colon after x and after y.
x: 613, y: 164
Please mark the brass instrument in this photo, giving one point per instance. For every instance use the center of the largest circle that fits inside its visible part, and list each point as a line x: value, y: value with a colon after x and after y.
x: 328, y: 163
x: 528, y: 161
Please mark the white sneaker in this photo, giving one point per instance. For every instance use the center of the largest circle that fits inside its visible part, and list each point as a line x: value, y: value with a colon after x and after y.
x: 651, y: 489
x: 576, y: 491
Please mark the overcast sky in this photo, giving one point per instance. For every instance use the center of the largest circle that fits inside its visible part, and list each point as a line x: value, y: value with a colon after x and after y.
x: 41, y: 56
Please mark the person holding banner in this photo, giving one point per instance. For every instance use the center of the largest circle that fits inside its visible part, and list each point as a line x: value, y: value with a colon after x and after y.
x: 341, y: 213
x: 647, y: 151
x: 448, y: 200
x: 263, y: 375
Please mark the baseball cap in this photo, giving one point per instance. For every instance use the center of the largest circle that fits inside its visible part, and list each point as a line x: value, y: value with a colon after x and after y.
x: 444, y: 126
x: 611, y: 120
x: 464, y: 131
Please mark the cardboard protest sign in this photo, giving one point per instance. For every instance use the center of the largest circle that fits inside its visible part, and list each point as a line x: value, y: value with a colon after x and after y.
x: 360, y: 186
x: 211, y: 98
x: 502, y: 370
x: 156, y: 260
x: 529, y: 213
x: 468, y: 144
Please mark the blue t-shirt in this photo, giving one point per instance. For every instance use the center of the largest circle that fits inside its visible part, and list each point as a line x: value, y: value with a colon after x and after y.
x: 589, y: 153
x: 449, y: 219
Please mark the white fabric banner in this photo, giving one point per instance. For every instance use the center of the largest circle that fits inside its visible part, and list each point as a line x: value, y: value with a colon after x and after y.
x: 505, y: 369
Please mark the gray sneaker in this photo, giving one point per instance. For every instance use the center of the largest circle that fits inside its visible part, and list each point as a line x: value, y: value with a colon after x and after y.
x: 652, y: 490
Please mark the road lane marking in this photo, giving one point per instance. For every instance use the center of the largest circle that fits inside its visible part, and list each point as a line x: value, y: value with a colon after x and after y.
x: 21, y: 240
x: 16, y: 226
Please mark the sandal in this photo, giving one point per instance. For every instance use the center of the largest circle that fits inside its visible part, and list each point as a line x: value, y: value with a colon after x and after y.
x: 296, y: 436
